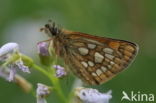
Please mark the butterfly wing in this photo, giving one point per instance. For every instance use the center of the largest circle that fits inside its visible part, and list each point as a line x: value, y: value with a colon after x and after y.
x: 97, y: 59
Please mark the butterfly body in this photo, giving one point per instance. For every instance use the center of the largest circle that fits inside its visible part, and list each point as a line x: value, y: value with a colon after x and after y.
x: 93, y: 59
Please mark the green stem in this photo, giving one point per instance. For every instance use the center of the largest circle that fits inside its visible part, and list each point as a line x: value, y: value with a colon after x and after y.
x: 40, y: 69
x: 50, y: 74
x: 12, y: 59
x: 54, y: 80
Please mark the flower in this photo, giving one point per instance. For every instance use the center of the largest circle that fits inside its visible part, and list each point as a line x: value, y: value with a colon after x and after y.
x: 44, y: 54
x: 19, y: 80
x: 8, y: 49
x: 89, y: 95
x: 17, y: 65
x: 42, y: 91
x: 21, y: 66
x: 60, y: 71
x: 12, y: 60
x: 43, y: 48
x: 12, y: 73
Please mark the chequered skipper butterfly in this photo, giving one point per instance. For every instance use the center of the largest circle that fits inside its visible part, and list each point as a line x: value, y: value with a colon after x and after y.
x: 94, y: 59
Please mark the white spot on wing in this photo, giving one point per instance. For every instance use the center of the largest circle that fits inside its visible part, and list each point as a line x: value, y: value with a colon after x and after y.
x: 94, y: 74
x: 90, y: 63
x: 104, y: 69
x: 108, y: 50
x: 112, y: 63
x: 83, y: 51
x: 84, y: 64
x: 109, y: 56
x: 109, y: 66
x: 98, y: 57
x: 98, y: 72
x: 91, y: 46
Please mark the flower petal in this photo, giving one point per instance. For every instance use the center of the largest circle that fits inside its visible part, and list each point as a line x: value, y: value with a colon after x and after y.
x: 12, y: 73
x: 89, y: 95
x: 60, y: 71
x: 21, y: 66
x: 42, y: 90
x: 43, y: 48
x: 8, y: 48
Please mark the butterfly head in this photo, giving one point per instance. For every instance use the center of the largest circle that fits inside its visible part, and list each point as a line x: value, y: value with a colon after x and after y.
x: 51, y: 29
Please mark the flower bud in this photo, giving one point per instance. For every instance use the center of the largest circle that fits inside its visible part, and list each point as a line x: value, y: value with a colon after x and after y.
x: 60, y: 71
x: 43, y: 50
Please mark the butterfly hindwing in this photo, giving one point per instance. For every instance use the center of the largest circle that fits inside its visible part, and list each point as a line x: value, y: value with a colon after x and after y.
x: 97, y: 59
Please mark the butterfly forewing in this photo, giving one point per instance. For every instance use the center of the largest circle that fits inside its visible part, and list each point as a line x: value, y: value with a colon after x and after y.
x: 97, y: 59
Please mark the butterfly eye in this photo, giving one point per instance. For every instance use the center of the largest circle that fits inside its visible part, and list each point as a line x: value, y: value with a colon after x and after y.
x: 47, y: 26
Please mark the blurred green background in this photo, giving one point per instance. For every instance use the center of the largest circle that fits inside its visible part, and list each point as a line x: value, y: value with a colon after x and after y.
x: 132, y: 20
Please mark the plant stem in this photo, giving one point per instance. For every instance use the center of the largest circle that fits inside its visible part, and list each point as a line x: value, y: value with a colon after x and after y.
x: 40, y: 69
x: 54, y: 80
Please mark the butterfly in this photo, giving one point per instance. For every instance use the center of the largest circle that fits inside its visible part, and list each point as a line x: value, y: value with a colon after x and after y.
x: 93, y: 59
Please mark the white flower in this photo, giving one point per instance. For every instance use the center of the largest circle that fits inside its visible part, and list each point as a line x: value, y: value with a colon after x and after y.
x: 42, y: 91
x: 60, y: 71
x: 19, y: 80
x: 89, y: 95
x: 13, y: 69
x: 12, y: 73
x: 21, y: 66
x: 10, y: 55
x: 7, y: 49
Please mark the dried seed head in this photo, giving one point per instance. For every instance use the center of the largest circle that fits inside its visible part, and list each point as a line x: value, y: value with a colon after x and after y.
x: 23, y: 83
